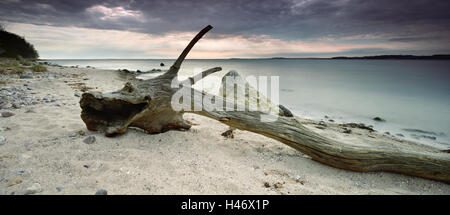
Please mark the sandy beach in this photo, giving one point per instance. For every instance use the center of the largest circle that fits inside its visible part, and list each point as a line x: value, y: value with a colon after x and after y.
x: 45, y: 151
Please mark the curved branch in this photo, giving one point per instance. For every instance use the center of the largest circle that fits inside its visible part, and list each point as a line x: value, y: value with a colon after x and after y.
x: 176, y: 66
x: 194, y: 79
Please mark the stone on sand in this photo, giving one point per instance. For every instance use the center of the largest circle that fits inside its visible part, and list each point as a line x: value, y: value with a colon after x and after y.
x: 7, y: 114
x: 35, y: 188
x: 89, y: 140
x: 101, y: 192
x: 379, y: 119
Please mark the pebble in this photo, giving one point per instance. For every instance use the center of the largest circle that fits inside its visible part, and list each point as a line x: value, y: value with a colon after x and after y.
x: 30, y: 110
x: 15, y: 172
x: 25, y: 156
x: 101, y: 192
x: 7, y: 114
x: 59, y: 189
x: 89, y: 140
x: 379, y: 119
x: 2, y: 139
x: 5, y: 128
x: 25, y: 76
x: 347, y: 131
x: 278, y: 185
x: 28, y: 145
x: 35, y: 188
x: 86, y: 166
x: 16, y: 181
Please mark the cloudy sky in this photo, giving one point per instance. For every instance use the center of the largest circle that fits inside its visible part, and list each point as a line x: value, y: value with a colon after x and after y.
x: 254, y: 28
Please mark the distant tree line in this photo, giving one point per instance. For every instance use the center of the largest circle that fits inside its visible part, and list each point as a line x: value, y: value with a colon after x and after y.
x: 14, y: 46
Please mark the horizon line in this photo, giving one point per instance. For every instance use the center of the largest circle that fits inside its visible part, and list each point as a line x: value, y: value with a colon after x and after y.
x: 444, y: 56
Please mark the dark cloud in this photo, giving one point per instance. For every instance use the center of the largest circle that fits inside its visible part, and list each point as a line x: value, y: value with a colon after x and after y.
x: 407, y: 21
x: 414, y: 39
x: 285, y: 18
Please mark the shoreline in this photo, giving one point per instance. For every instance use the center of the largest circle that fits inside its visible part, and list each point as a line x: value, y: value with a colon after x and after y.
x: 45, y: 145
x: 346, y: 104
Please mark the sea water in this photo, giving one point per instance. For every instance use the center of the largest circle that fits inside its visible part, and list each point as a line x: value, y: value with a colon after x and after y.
x: 413, y: 96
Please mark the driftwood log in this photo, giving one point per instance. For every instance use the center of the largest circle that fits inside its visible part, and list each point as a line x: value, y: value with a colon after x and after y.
x: 146, y: 104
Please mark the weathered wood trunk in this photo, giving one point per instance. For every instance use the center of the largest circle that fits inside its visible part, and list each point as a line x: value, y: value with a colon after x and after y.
x: 147, y: 104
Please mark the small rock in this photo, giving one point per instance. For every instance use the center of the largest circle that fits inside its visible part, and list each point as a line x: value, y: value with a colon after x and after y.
x: 400, y: 135
x: 266, y: 184
x: 28, y: 145
x: 228, y: 133
x: 379, y: 119
x: 347, y: 131
x: 89, y: 140
x: 16, y: 181
x: 302, y: 182
x: 5, y: 129
x: 80, y: 132
x: 59, y: 189
x: 35, y: 188
x: 360, y: 126
x: 2, y: 139
x: 7, y: 114
x: 278, y: 185
x: 161, y: 64
x: 86, y: 166
x: 25, y: 156
x: 15, y: 172
x: 25, y: 76
x: 30, y: 110
x: 101, y: 192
